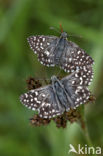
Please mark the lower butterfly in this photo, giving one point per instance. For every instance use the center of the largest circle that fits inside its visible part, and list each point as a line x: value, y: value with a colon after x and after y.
x: 58, y: 97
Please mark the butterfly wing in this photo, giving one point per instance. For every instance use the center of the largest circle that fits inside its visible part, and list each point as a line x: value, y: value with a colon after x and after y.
x: 79, y: 93
x: 44, y: 47
x: 81, y: 77
x: 43, y: 100
x: 74, y: 58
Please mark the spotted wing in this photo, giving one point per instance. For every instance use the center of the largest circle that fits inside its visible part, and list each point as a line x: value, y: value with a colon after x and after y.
x: 81, y: 77
x: 74, y: 58
x: 44, y: 47
x: 76, y: 89
x: 43, y: 100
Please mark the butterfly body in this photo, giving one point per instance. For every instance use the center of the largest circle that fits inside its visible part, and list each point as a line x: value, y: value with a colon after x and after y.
x: 59, y: 51
x: 61, y: 94
x: 60, y: 46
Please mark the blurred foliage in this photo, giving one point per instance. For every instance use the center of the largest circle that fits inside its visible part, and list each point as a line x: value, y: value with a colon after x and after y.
x: 18, y: 20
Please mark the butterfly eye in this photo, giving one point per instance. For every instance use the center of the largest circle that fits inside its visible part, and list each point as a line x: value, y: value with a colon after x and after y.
x: 64, y: 34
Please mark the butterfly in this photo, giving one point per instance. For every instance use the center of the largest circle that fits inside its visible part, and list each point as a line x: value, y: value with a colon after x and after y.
x: 52, y: 50
x: 60, y: 96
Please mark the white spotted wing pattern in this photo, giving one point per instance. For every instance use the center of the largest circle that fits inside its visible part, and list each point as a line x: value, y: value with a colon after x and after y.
x: 43, y: 101
x: 44, y: 47
x: 74, y: 58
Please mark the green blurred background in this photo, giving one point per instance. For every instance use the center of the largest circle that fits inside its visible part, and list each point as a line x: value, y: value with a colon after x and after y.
x: 18, y: 20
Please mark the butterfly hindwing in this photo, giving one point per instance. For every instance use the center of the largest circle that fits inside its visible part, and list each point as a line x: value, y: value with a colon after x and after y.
x: 76, y: 89
x: 74, y: 58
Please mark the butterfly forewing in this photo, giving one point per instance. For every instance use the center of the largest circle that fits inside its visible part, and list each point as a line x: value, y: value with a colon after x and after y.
x: 44, y: 46
x: 42, y: 100
x: 32, y: 99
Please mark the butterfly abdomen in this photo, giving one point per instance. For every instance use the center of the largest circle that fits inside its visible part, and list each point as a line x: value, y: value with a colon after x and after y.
x: 61, y: 95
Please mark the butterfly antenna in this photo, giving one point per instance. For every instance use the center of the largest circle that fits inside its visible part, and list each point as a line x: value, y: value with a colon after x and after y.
x: 61, y: 28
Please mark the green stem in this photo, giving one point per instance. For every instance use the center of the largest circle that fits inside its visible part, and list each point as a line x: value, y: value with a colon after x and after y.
x: 86, y: 133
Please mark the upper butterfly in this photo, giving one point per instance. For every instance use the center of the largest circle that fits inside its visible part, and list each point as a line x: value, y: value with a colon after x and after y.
x: 52, y: 50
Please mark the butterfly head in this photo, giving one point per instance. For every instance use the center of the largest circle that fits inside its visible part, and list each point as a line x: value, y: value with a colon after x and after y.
x: 64, y: 35
x: 54, y: 78
x: 55, y: 81
x: 56, y: 84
